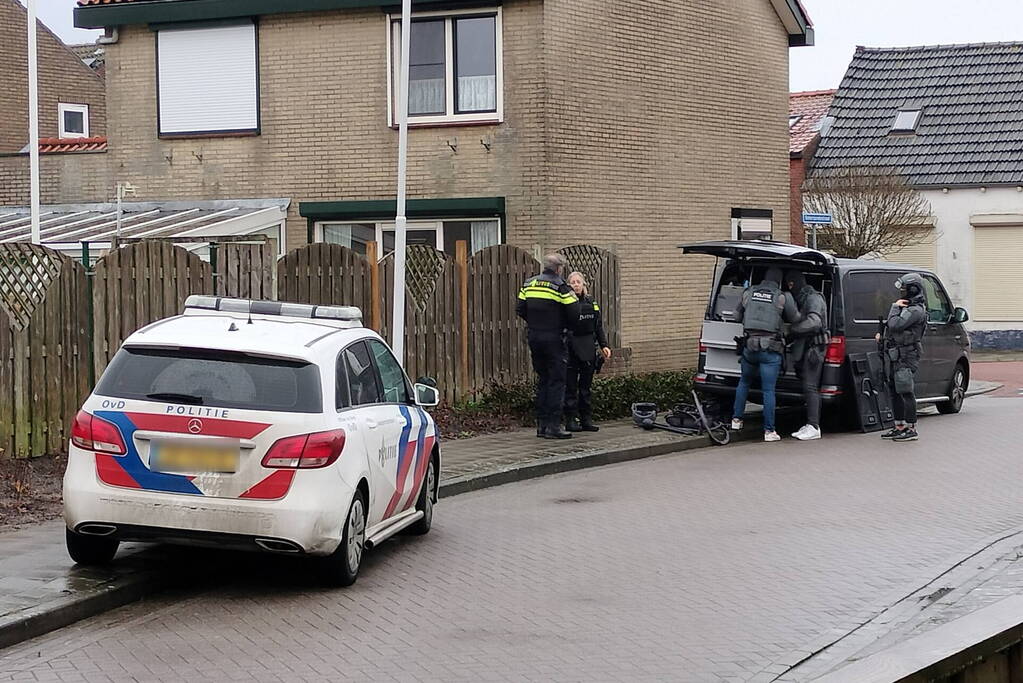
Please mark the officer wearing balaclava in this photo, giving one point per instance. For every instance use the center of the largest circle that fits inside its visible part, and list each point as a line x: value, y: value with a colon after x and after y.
x: 904, y: 332
x: 763, y: 309
x: 808, y: 349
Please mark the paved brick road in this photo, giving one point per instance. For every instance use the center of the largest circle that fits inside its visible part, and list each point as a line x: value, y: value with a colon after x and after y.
x: 720, y: 564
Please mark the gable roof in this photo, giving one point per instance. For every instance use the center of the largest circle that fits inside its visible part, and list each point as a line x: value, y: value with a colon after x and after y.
x: 811, y: 107
x: 970, y: 130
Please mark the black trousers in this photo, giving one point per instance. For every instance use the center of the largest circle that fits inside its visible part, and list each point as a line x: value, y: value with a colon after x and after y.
x: 579, y: 388
x: 550, y: 362
x: 809, y: 370
x: 903, y: 405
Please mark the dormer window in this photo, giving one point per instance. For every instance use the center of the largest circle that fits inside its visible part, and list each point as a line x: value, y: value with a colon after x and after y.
x: 905, y: 121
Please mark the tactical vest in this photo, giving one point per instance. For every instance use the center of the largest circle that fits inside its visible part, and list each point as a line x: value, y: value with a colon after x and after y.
x: 911, y: 336
x: 763, y: 313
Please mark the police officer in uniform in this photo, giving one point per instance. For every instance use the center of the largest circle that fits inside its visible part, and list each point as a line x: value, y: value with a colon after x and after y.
x: 809, y: 344
x: 903, y: 336
x: 763, y: 309
x: 550, y: 309
x: 587, y: 346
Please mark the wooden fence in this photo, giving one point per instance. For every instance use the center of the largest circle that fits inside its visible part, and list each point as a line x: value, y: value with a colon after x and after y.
x: 59, y: 325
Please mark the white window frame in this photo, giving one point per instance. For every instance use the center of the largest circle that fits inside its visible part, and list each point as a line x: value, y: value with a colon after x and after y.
x: 83, y: 109
x: 449, y: 68
x: 915, y: 113
x: 436, y: 225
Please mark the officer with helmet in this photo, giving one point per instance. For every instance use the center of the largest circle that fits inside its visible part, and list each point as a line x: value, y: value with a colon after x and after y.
x: 903, y: 337
x: 763, y: 310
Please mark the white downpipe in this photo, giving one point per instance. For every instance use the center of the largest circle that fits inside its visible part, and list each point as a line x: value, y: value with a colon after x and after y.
x: 398, y: 324
x: 33, y: 120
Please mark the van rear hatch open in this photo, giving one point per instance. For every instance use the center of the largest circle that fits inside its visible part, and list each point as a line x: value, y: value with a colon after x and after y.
x: 720, y: 327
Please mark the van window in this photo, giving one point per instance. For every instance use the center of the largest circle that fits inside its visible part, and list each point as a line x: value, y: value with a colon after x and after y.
x: 736, y: 276
x: 204, y: 377
x: 939, y: 309
x: 870, y: 295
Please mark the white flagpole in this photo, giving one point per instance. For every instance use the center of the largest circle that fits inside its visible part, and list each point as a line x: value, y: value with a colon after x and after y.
x: 33, y: 120
x: 398, y: 324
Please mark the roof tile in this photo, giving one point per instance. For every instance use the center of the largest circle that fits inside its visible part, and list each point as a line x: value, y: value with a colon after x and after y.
x: 810, y: 107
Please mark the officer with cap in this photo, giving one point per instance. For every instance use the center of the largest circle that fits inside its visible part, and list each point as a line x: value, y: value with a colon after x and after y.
x: 550, y: 308
x: 763, y: 309
x: 903, y: 337
x: 809, y: 345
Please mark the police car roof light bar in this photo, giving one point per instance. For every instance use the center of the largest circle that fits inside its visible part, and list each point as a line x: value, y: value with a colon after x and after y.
x: 256, y: 307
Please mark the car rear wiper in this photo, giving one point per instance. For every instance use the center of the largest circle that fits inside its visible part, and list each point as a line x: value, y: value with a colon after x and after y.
x: 177, y: 398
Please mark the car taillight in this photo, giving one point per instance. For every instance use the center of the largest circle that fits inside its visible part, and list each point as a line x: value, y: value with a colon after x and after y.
x: 306, y: 451
x: 836, y: 351
x: 96, y: 434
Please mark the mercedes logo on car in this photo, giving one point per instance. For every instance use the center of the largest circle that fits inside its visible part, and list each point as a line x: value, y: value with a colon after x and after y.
x: 194, y: 426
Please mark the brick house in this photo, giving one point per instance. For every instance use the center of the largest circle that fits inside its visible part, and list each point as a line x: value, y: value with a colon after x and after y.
x: 807, y: 111
x: 634, y: 126
x: 72, y: 102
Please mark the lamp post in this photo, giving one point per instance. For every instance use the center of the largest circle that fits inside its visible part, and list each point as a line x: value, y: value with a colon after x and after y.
x: 398, y: 322
x: 33, y: 120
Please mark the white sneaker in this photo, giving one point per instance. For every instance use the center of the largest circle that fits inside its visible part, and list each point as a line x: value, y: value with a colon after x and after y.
x: 736, y: 424
x: 807, y: 433
x: 771, y: 436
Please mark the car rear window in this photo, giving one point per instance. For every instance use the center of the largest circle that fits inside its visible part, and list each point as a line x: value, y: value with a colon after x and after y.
x: 212, y: 378
x: 869, y: 295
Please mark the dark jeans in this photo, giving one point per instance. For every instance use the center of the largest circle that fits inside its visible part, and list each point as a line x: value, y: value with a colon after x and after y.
x: 578, y: 389
x: 768, y: 365
x: 550, y: 361
x: 903, y: 405
x: 809, y: 370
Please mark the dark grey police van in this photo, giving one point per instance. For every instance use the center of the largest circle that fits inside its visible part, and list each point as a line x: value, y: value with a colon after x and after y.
x: 858, y: 294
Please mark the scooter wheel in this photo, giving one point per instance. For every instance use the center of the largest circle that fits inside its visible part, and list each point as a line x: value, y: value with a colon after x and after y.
x: 719, y: 434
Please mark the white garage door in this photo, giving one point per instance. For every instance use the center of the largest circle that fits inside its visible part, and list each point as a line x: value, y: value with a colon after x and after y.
x: 922, y: 253
x: 998, y: 277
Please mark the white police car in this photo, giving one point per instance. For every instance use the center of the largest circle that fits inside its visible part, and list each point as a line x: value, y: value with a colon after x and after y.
x: 254, y: 425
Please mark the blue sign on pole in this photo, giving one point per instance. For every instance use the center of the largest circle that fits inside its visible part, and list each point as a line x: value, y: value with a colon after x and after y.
x: 817, y: 218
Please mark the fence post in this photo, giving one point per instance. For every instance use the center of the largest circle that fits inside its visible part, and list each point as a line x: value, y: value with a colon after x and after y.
x: 89, y: 277
x: 374, y: 286
x: 213, y: 266
x: 462, y: 261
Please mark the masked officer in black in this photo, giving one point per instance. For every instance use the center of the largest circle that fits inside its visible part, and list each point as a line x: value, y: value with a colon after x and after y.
x: 550, y: 308
x: 809, y: 344
x: 903, y: 335
x: 763, y: 309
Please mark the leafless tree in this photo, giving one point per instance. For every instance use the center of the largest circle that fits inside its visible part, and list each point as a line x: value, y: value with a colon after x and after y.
x: 874, y: 211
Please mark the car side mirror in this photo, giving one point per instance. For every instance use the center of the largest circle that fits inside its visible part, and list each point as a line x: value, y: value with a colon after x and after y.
x: 428, y: 381
x: 960, y: 315
x: 426, y: 396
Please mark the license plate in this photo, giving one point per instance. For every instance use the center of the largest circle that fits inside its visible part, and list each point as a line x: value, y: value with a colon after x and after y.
x: 183, y: 457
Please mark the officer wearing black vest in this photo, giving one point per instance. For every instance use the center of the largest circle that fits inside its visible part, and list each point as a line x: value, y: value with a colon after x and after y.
x: 763, y: 309
x: 903, y: 336
x: 550, y: 309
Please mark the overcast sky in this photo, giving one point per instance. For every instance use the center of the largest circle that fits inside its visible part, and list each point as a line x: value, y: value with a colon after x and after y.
x: 840, y: 26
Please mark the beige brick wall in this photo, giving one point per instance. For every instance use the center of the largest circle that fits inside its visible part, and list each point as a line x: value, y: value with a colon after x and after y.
x: 63, y: 77
x: 662, y: 117
x: 324, y: 123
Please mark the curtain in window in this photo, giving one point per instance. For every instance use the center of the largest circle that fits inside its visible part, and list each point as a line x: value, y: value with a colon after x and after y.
x: 477, y: 93
x: 484, y: 234
x: 336, y: 233
x: 426, y: 96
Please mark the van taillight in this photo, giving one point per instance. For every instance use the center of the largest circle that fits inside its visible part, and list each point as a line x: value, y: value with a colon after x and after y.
x: 306, y: 451
x: 96, y: 434
x: 836, y: 351
x: 703, y: 348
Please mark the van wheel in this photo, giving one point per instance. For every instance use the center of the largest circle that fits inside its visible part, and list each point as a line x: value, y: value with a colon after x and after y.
x: 957, y: 393
x: 425, y: 502
x: 90, y: 550
x: 341, y: 567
